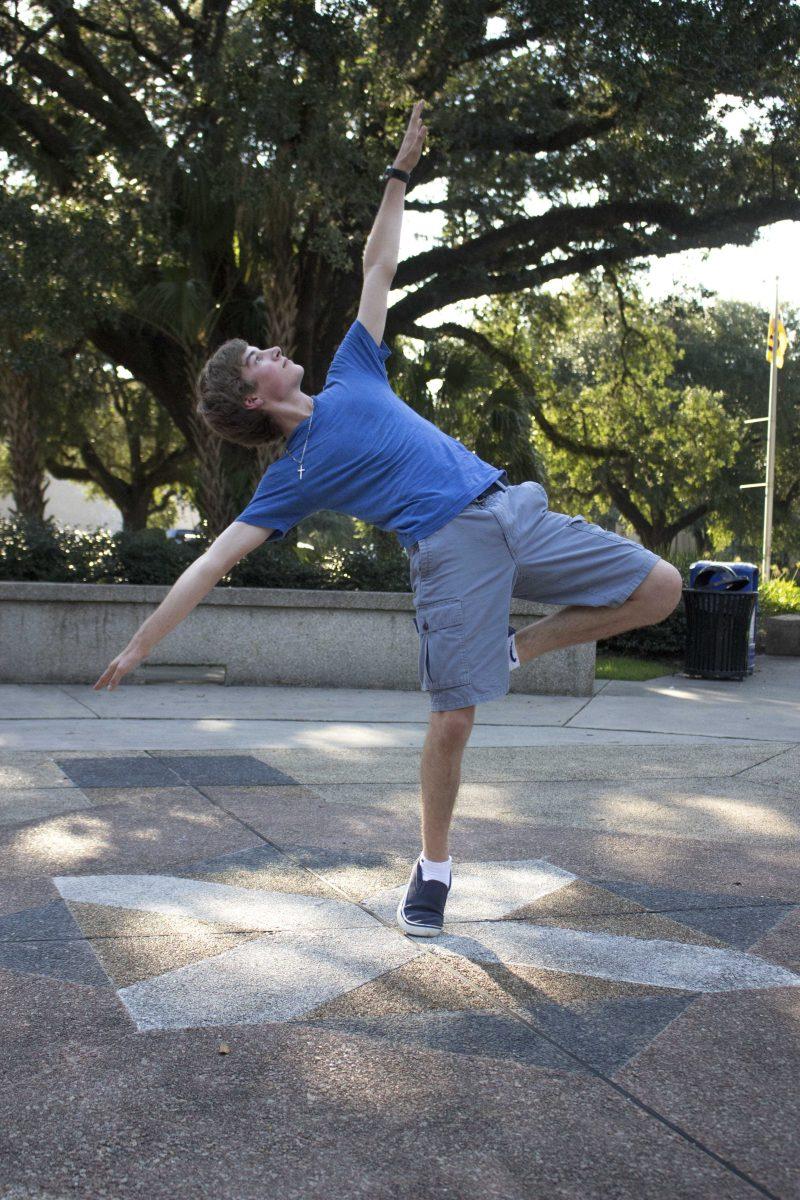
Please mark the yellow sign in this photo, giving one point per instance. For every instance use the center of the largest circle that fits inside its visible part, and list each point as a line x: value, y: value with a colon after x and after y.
x: 783, y: 341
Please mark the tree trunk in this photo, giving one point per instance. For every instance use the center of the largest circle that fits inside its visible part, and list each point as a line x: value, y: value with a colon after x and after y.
x: 28, y: 482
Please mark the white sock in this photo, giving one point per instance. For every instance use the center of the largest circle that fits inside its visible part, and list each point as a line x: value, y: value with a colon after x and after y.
x: 513, y: 658
x: 436, y: 870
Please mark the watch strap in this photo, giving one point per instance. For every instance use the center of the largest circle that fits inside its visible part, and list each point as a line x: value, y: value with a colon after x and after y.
x: 396, y: 173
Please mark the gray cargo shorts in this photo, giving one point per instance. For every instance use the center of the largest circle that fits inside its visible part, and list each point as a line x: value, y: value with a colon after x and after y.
x: 504, y: 544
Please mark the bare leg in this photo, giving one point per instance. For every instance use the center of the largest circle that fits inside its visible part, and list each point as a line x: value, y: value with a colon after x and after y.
x: 652, y: 601
x: 448, y: 734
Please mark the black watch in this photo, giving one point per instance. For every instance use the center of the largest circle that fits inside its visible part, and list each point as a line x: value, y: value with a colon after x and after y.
x: 395, y: 173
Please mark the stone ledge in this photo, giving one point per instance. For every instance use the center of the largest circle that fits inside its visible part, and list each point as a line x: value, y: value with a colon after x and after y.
x: 783, y: 634
x: 246, y: 597
x: 69, y: 632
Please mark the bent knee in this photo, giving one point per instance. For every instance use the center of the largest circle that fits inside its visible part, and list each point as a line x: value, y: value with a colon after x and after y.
x: 661, y: 591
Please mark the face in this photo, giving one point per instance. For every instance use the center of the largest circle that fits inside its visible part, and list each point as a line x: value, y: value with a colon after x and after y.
x: 269, y: 373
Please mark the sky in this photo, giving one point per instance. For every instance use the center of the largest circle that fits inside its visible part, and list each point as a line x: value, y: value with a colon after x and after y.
x: 732, y: 272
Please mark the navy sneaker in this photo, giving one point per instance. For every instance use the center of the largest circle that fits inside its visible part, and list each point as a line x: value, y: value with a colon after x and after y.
x: 421, y: 908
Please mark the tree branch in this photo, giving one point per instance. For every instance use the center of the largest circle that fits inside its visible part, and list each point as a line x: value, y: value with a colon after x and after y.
x: 128, y: 35
x: 57, y: 148
x: 523, y: 381
x: 467, y: 269
x: 76, y: 50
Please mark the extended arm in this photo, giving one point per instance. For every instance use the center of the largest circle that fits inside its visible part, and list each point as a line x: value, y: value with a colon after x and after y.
x: 383, y: 244
x: 185, y: 594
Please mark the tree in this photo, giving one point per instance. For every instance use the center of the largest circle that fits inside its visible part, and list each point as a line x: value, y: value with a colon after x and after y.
x: 41, y: 309
x: 116, y: 439
x: 593, y: 366
x: 222, y: 143
x: 724, y: 349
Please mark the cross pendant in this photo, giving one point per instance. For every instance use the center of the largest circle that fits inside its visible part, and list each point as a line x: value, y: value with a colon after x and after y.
x: 300, y: 470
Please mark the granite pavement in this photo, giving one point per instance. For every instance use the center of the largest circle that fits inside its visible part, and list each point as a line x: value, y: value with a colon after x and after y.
x: 205, y: 993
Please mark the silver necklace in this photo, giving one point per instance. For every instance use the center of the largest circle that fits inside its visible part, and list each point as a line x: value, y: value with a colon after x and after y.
x: 301, y: 468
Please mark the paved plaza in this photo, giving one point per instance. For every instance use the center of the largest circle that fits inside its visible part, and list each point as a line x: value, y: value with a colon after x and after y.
x: 205, y: 993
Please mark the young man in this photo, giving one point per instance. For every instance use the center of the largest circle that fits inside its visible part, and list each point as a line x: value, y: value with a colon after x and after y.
x: 473, y: 540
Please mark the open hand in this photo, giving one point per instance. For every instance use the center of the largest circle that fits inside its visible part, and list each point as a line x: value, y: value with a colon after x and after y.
x: 121, y: 665
x: 408, y: 154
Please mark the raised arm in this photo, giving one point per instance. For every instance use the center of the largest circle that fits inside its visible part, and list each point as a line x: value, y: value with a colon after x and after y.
x: 383, y: 244
x: 185, y: 594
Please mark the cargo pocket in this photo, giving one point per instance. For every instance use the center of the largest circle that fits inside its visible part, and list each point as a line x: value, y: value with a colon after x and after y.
x: 442, y: 662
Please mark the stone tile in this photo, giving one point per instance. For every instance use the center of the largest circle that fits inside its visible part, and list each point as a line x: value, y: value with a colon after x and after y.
x: 717, y: 918
x: 736, y: 926
x: 272, y: 978
x: 334, y: 1114
x: 781, y: 943
x: 488, y: 1035
x: 597, y: 761
x: 576, y: 899
x: 667, y: 899
x: 226, y: 770
x: 73, y: 961
x: 47, y: 1025
x: 603, y: 1023
x: 43, y: 701
x: 424, y: 984
x: 124, y: 771
x: 260, y: 867
x: 485, y: 891
x: 227, y: 907
x: 297, y: 817
x: 726, y: 811
x: 31, y: 892
x: 655, y: 962
x: 52, y: 921
x: 30, y: 769
x: 764, y: 869
x: 132, y: 946
x: 740, y: 1095
x: 356, y: 873
x: 647, y: 926
x: 780, y: 770
x: 144, y: 829
x: 19, y: 805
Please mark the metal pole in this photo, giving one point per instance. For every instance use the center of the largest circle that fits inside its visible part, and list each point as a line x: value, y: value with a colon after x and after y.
x: 769, y: 486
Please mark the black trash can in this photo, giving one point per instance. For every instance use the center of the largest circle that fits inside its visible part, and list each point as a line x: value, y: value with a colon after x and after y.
x: 718, y: 625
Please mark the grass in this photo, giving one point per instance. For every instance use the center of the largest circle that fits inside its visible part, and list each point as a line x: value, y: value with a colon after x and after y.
x: 623, y: 666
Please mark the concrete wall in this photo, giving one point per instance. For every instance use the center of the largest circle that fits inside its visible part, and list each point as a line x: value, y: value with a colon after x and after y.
x: 69, y: 632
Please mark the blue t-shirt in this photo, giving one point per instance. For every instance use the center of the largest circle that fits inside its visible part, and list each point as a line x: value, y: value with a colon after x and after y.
x: 370, y: 455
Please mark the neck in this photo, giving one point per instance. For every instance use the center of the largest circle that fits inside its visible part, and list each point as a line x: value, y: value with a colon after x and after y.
x: 294, y: 410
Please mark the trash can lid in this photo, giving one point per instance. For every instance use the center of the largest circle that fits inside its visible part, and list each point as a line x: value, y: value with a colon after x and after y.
x: 731, y: 582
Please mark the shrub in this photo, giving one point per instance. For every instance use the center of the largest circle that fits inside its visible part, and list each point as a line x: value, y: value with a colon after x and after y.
x: 33, y: 550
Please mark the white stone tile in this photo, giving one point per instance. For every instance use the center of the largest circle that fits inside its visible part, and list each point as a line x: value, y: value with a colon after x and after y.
x: 656, y: 962
x: 238, y: 907
x: 273, y: 978
x: 485, y: 891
